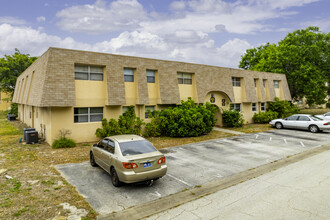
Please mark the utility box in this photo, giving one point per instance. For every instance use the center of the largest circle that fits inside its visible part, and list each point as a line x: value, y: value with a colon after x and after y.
x: 31, y: 137
x: 26, y: 130
x: 11, y: 117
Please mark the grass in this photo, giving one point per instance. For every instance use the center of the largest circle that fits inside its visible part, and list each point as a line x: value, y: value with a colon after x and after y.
x: 315, y: 111
x: 163, y: 142
x: 34, y: 191
x: 253, y: 128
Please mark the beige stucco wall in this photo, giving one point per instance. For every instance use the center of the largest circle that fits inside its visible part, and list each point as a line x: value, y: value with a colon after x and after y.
x: 49, y: 86
x: 4, y: 104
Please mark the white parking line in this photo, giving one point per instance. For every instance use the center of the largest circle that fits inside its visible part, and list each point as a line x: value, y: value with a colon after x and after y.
x: 181, y: 181
x: 302, y: 144
x: 270, y: 138
x: 158, y: 194
x: 257, y: 136
x: 285, y: 141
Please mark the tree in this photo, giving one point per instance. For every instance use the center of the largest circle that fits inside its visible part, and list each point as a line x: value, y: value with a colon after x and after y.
x: 11, y: 66
x: 303, y: 56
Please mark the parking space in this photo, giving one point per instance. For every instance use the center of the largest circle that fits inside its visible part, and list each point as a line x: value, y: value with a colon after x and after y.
x: 191, y: 165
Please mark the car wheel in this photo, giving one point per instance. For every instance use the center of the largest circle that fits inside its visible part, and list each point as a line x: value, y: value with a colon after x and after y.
x: 92, y: 160
x: 114, y: 178
x: 313, y: 128
x: 278, y: 125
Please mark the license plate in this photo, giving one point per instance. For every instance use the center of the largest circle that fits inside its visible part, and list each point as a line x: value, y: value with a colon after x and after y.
x: 145, y: 165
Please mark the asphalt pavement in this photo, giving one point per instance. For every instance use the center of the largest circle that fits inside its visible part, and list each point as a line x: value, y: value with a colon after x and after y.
x: 191, y: 166
x: 298, y: 191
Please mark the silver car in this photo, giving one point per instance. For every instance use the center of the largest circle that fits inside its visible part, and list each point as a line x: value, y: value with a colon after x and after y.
x: 302, y: 121
x: 325, y: 116
x: 128, y: 159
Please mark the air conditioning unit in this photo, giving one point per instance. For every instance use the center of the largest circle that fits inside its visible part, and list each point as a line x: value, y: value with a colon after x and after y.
x: 11, y: 117
x: 26, y: 130
x: 31, y: 137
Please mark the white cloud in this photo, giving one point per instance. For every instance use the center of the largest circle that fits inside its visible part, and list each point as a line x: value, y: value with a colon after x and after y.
x: 11, y: 20
x: 41, y: 19
x: 178, y: 5
x: 322, y: 23
x: 100, y: 17
x: 34, y: 42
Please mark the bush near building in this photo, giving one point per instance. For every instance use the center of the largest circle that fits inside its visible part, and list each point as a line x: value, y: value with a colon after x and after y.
x: 276, y: 109
x: 62, y: 141
x: 264, y: 117
x: 127, y: 123
x: 185, y: 120
x: 232, y: 119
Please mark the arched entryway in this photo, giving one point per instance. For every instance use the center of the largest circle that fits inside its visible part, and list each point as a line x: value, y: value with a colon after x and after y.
x: 221, y: 100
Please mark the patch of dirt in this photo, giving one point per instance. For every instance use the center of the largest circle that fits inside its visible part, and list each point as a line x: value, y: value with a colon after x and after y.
x: 35, y: 189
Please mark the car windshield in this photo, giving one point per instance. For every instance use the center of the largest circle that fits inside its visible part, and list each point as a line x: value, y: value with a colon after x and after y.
x: 316, y: 118
x: 136, y: 147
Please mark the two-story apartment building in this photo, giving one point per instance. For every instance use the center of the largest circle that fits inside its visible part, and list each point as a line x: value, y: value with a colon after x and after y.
x: 74, y: 89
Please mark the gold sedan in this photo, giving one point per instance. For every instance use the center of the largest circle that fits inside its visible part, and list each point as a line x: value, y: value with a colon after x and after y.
x: 128, y: 159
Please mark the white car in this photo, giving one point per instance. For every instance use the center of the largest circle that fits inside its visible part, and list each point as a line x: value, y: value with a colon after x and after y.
x: 325, y: 116
x: 302, y: 121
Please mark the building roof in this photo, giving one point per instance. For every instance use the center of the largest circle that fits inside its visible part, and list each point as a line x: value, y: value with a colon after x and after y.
x: 50, y: 80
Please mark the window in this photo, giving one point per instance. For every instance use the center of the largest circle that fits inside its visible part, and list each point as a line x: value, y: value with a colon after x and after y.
x: 125, y: 108
x: 185, y: 78
x: 254, y: 107
x: 151, y: 108
x: 84, y: 72
x: 236, y: 81
x: 255, y: 82
x: 262, y: 107
x: 128, y: 75
x: 236, y: 107
x: 264, y: 83
x: 151, y: 76
x: 88, y: 114
x: 276, y: 84
x: 303, y: 118
x: 110, y: 147
x: 292, y: 118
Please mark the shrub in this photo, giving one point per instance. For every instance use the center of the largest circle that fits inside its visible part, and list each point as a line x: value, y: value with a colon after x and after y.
x: 108, y: 128
x: 283, y: 108
x: 13, y: 109
x: 185, y: 120
x: 232, y: 118
x: 153, y: 129
x: 264, y: 117
x: 63, y: 141
x: 127, y: 123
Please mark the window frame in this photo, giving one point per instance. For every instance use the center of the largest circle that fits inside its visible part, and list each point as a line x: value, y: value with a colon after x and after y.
x: 262, y: 106
x: 236, y: 81
x: 254, y: 107
x: 255, y: 82
x: 126, y: 76
x: 233, y: 106
x: 276, y: 84
x: 185, y: 80
x: 88, y: 114
x: 152, y: 77
x: 148, y: 107
x: 89, y: 72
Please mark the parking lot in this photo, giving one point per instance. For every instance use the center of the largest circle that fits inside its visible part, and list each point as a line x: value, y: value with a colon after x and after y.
x: 191, y: 165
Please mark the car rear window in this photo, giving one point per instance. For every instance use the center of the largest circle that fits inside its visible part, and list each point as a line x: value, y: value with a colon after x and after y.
x: 136, y: 147
x: 316, y: 118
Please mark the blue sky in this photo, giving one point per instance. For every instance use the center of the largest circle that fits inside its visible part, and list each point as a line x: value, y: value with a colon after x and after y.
x: 214, y: 32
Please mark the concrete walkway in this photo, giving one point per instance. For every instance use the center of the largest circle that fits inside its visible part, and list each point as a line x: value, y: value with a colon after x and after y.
x: 228, y: 131
x: 298, y: 191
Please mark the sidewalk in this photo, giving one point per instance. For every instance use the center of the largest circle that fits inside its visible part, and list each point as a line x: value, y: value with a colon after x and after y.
x: 228, y: 131
x: 298, y: 191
